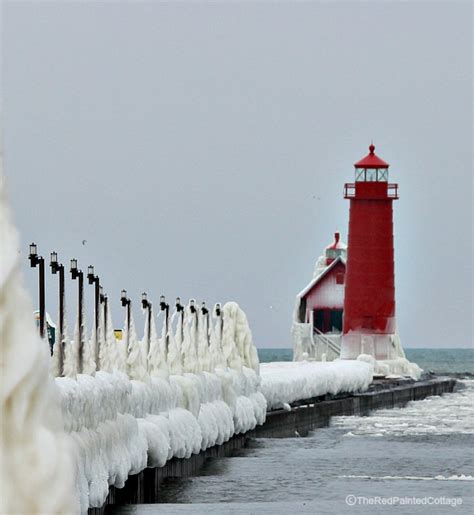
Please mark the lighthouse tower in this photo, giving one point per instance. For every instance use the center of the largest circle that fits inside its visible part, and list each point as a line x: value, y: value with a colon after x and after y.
x: 369, y: 298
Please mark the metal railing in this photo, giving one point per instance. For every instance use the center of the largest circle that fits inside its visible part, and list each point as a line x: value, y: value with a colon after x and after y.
x: 350, y: 190
x: 327, y: 341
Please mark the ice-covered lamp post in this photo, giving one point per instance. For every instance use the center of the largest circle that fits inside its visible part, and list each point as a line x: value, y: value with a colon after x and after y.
x: 205, y: 313
x: 104, y: 300
x: 180, y: 310
x: 146, y: 304
x: 94, y: 279
x: 218, y: 313
x: 79, y: 275
x: 126, y: 302
x: 55, y: 268
x: 34, y: 261
x: 166, y: 308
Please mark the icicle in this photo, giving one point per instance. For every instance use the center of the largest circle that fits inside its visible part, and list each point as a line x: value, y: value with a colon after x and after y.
x: 215, y: 350
x: 229, y: 345
x: 174, y: 348
x: 89, y: 351
x: 203, y: 343
x: 136, y: 361
x: 157, y: 364
x: 190, y: 362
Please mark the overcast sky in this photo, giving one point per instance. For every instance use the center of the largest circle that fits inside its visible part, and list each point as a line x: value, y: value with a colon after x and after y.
x: 201, y: 149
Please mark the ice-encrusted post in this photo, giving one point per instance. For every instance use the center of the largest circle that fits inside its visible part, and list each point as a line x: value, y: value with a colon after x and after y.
x: 60, y: 341
x: 165, y: 307
x: 79, y: 275
x: 36, y: 260
x: 126, y: 302
x: 94, y: 279
x: 146, y: 305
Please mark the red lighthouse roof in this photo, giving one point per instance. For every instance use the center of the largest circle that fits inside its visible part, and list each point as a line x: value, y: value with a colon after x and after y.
x: 371, y: 160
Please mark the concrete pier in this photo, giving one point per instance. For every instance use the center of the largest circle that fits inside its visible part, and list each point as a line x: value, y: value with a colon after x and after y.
x: 304, y: 416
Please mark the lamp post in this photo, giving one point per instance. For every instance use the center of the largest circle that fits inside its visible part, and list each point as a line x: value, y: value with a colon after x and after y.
x: 180, y: 310
x: 146, y: 304
x: 34, y: 261
x: 55, y: 268
x: 126, y: 302
x: 79, y: 275
x: 94, y: 279
x: 166, y: 308
x: 104, y: 301
x: 205, y: 313
x: 218, y: 312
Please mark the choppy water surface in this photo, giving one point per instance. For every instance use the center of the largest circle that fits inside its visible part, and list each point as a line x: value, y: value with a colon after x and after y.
x: 421, y: 453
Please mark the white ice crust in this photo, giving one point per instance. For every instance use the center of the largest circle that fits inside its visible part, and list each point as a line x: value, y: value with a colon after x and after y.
x: 287, y: 382
x: 191, y: 392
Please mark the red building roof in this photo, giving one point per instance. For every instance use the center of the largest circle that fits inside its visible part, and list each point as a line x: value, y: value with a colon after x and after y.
x: 371, y: 160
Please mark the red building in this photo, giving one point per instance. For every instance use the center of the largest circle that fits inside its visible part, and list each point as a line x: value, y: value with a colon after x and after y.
x: 369, y: 299
x: 318, y: 319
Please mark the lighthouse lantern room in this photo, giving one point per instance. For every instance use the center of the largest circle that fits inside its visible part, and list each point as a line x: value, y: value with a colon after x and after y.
x: 369, y: 298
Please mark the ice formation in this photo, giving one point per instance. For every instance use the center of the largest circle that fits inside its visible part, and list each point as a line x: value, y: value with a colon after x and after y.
x: 286, y: 382
x: 36, y: 465
x: 157, y: 362
x: 395, y: 367
x: 119, y: 423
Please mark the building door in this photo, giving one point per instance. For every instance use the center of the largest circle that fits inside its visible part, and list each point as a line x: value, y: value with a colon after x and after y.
x: 336, y: 320
x: 318, y: 319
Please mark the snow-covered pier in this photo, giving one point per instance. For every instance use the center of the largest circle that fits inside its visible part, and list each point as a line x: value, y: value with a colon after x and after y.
x: 296, y: 419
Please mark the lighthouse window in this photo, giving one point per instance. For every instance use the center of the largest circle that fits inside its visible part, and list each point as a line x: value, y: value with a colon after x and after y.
x: 382, y: 174
x: 360, y: 174
x: 371, y: 175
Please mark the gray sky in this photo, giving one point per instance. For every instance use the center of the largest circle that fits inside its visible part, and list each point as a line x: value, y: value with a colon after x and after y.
x: 185, y: 142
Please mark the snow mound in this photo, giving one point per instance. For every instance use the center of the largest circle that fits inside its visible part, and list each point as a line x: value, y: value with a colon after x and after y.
x: 287, y: 382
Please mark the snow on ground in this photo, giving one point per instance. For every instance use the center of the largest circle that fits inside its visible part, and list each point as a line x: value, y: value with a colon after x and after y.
x: 286, y: 382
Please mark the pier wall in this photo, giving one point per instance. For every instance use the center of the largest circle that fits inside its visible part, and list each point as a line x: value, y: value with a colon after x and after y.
x: 304, y: 416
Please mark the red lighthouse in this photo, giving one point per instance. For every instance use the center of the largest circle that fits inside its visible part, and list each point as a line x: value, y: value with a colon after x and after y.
x: 369, y: 298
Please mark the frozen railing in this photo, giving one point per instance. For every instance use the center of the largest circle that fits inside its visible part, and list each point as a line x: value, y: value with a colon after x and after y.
x: 327, y: 342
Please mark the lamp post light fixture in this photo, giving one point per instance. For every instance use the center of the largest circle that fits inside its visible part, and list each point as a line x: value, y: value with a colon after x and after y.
x: 55, y: 268
x: 146, y: 304
x: 36, y: 260
x: 94, y: 279
x: 79, y: 275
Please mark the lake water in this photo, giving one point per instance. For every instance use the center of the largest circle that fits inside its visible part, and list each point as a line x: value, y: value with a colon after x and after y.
x: 416, y: 459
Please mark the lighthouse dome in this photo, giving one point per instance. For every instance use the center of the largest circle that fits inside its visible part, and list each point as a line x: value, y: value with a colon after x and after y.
x: 336, y: 249
x: 371, y: 160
